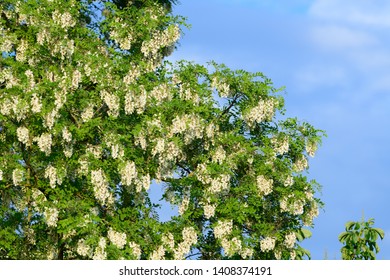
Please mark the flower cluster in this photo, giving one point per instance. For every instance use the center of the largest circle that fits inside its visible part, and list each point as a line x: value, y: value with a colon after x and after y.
x: 100, y: 253
x: 289, y: 240
x: 158, y: 254
x: 280, y: 146
x: 300, y: 164
x: 219, y: 184
x: 51, y: 174
x: 23, y: 135
x: 190, y: 237
x: 100, y: 186
x: 44, y: 143
x: 160, y: 39
x: 267, y: 244
x: 83, y: 249
x: 128, y: 173
x: 112, y: 102
x: 264, y: 111
x: 222, y: 87
x: 223, y: 228
x: 17, y: 176
x: 231, y: 247
x: 219, y: 155
x: 311, y: 148
x: 209, y: 210
x: 264, y: 185
x: 136, y: 249
x: 51, y: 216
x: 65, y: 20
x: 168, y: 240
x: 117, y: 238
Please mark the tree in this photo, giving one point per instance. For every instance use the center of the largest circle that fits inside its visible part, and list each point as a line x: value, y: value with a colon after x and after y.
x: 91, y: 115
x: 359, y: 240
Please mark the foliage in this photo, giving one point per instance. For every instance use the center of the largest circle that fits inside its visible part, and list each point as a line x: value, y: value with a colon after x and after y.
x: 91, y: 115
x: 359, y: 240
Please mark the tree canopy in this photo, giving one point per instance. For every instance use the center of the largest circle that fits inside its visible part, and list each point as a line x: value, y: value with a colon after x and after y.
x: 92, y: 116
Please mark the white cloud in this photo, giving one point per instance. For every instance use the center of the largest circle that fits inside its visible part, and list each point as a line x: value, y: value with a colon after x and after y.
x: 374, y: 13
x: 338, y: 37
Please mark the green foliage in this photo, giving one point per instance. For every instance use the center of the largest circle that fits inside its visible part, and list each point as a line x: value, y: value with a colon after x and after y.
x: 359, y: 240
x: 91, y: 116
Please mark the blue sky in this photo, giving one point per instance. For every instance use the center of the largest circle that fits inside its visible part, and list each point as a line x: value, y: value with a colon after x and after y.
x: 333, y: 57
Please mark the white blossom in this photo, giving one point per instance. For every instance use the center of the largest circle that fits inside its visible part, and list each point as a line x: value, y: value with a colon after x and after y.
x: 264, y: 111
x: 168, y: 240
x: 209, y: 210
x: 23, y: 135
x: 264, y: 185
x: 51, y: 174
x: 87, y: 114
x: 17, y: 176
x: 289, y: 181
x: 136, y: 249
x: 289, y: 240
x: 311, y: 148
x: 44, y: 143
x: 267, y: 244
x: 100, y: 253
x: 219, y: 155
x: 117, y: 238
x: 223, y: 228
x: 300, y: 164
x: 82, y: 248
x: 100, y: 186
x: 36, y: 103
x: 51, y: 216
x: 158, y: 254
x: 128, y: 173
x: 184, y: 204
x: 66, y: 135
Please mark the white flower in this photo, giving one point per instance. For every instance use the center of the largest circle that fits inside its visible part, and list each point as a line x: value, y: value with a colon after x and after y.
x: 184, y: 205
x: 23, y: 135
x: 51, y: 174
x: 136, y: 249
x: 289, y: 240
x: 168, y: 240
x: 128, y: 173
x: 264, y: 185
x: 289, y: 181
x: 246, y: 253
x: 87, y: 114
x: 1, y: 175
x: 219, y: 155
x: 223, y: 228
x: 100, y: 186
x: 100, y: 253
x: 36, y: 103
x: 209, y: 210
x: 66, y: 135
x: 51, y: 216
x: 158, y: 254
x: 311, y: 148
x: 17, y: 177
x: 264, y: 111
x: 219, y: 184
x: 112, y: 102
x: 44, y: 143
x: 231, y: 247
x: 82, y: 248
x: 267, y: 244
x: 300, y: 164
x: 117, y: 238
